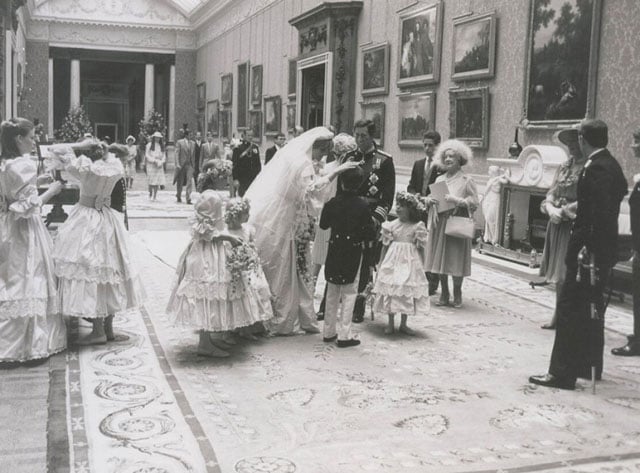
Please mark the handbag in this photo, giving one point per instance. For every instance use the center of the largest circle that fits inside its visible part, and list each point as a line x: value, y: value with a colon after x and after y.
x: 460, y: 227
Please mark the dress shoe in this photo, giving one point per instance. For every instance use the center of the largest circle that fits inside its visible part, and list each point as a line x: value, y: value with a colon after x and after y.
x: 329, y: 339
x: 550, y: 381
x: 357, y: 318
x: 632, y: 348
x: 320, y: 316
x: 178, y: 200
x: 348, y: 343
x: 442, y: 302
x: 457, y: 303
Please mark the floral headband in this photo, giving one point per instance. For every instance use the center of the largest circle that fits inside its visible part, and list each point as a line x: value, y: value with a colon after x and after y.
x: 235, y: 208
x: 407, y: 199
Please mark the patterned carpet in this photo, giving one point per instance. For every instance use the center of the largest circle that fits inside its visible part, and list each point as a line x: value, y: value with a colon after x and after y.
x: 455, y: 398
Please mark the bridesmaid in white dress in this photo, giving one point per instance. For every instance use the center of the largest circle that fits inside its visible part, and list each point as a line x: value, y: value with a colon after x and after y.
x: 31, y: 326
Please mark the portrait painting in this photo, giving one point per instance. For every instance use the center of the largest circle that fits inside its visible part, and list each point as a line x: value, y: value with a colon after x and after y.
x: 255, y: 125
x: 243, y: 95
x: 225, y: 124
x: 469, y: 116
x: 256, y: 85
x: 272, y: 115
x: 213, y: 107
x: 564, y: 37
x: 416, y: 114
x: 375, y: 70
x: 375, y: 112
x: 474, y: 47
x: 291, y: 116
x: 293, y: 74
x: 420, y: 43
x: 226, y: 89
x: 201, y: 95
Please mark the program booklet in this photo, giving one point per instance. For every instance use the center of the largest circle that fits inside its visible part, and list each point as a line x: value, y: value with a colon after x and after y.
x: 438, y: 191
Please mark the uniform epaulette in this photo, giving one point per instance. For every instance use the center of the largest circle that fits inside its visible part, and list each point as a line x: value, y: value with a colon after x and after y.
x: 385, y: 154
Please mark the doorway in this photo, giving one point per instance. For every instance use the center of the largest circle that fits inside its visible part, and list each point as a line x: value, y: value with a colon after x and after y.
x: 314, y: 91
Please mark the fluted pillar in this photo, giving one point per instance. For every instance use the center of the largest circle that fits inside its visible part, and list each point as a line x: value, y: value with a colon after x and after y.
x: 74, y: 97
x: 149, y: 79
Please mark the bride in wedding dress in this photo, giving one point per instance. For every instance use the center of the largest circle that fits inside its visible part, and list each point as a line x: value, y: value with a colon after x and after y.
x: 286, y: 199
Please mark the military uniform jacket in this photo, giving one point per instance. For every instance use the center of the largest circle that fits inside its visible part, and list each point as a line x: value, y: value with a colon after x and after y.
x: 349, y: 218
x: 246, y: 162
x: 379, y: 185
x: 601, y: 188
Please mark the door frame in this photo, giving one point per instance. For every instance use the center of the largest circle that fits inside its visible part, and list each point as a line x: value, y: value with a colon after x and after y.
x: 327, y: 60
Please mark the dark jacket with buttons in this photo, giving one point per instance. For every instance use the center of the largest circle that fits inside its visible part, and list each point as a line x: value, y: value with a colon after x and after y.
x: 349, y: 218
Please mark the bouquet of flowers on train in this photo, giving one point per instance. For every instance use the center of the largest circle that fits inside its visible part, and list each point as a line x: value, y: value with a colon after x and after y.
x: 242, y: 259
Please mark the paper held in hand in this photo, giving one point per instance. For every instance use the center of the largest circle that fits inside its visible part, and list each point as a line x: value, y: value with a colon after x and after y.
x: 438, y: 191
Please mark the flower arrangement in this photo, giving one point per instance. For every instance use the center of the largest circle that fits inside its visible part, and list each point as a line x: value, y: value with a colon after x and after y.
x: 407, y: 199
x: 235, y: 210
x: 305, y: 232
x: 75, y: 125
x: 242, y: 258
x: 212, y: 173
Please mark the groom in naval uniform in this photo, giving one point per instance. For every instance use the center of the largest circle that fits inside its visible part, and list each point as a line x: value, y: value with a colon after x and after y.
x: 378, y: 189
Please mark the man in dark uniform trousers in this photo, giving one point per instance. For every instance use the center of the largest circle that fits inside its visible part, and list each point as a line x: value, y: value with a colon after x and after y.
x: 378, y: 189
x: 632, y: 348
x: 579, y: 341
x: 423, y: 174
x: 349, y: 218
x: 246, y: 163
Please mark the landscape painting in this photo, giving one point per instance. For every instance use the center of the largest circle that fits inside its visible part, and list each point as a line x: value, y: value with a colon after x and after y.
x: 416, y: 114
x: 474, y: 46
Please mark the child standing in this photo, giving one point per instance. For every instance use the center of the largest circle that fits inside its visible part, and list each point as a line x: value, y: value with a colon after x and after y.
x: 236, y: 216
x: 401, y: 285
x: 349, y: 218
x: 204, y: 295
x: 129, y: 161
x: 154, y: 160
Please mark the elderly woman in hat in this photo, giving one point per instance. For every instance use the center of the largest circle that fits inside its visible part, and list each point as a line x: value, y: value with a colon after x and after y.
x: 129, y: 161
x: 560, y: 205
x: 155, y: 159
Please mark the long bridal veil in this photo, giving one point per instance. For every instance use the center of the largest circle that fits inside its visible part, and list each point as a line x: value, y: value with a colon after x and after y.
x: 274, y: 196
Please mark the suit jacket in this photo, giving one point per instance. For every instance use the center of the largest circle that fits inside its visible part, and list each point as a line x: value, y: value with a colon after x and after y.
x: 185, y: 153
x: 349, y: 218
x: 601, y: 188
x: 270, y: 153
x: 246, y: 163
x: 209, y: 151
x: 417, y: 177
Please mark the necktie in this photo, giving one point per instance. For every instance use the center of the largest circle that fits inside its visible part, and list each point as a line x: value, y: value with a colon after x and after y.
x: 427, y: 177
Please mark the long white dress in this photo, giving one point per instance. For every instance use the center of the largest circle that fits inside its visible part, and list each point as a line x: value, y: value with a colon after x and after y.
x: 286, y: 198
x: 93, y: 260
x: 31, y: 326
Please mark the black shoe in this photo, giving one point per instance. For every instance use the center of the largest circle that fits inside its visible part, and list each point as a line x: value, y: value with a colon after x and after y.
x: 348, y: 343
x: 178, y: 200
x: 357, y: 318
x: 329, y: 339
x: 188, y: 202
x: 632, y: 348
x: 320, y: 316
x: 550, y: 381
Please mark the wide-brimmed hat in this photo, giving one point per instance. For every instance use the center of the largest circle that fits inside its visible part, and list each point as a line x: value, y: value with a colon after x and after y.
x: 568, y: 136
x: 157, y: 134
x: 130, y: 138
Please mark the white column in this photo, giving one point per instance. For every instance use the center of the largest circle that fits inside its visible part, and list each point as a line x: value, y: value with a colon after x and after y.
x: 8, y: 93
x: 50, y: 111
x: 149, y: 73
x: 74, y: 96
x: 172, y: 102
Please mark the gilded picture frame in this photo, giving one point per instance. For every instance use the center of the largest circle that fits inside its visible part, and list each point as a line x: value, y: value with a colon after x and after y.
x: 256, y: 85
x: 242, y: 96
x: 272, y: 115
x: 201, y: 95
x: 213, y: 120
x: 375, y: 70
x: 255, y: 125
x: 416, y: 114
x: 226, y: 89
x: 474, y: 47
x: 469, y: 116
x: 375, y: 111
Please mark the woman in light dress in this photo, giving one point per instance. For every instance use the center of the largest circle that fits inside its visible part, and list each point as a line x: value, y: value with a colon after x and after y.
x: 155, y: 158
x: 129, y: 161
x: 31, y: 326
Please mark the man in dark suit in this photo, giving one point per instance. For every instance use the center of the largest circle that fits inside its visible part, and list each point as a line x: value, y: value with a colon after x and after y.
x: 197, y: 163
x: 378, y: 189
x: 579, y: 341
x: 246, y: 163
x: 184, y: 163
x: 632, y: 348
x: 278, y: 143
x: 424, y: 174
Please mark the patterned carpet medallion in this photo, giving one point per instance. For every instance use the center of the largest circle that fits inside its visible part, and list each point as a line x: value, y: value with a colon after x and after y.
x: 454, y: 398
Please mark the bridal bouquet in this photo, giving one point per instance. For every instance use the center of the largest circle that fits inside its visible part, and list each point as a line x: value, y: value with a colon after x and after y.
x: 241, y: 258
x: 305, y: 233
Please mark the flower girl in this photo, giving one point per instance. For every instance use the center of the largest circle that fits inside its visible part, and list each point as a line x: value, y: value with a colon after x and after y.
x: 401, y: 285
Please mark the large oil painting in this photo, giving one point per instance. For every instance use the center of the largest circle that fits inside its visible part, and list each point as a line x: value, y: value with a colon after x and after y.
x: 469, y: 116
x: 416, y: 114
x: 474, y: 47
x: 226, y: 87
x: 256, y: 85
x: 255, y: 125
x: 213, y: 124
x: 225, y: 124
x: 272, y: 115
x: 374, y: 111
x: 243, y: 94
x: 562, y: 59
x: 375, y: 69
x: 420, y: 43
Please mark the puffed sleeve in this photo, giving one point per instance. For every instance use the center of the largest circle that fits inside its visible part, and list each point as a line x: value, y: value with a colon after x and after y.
x: 420, y: 235
x: 24, y: 192
x: 317, y: 192
x: 386, y: 233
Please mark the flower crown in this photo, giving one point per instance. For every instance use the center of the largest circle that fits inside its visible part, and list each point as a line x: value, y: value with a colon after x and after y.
x: 406, y: 199
x: 235, y: 208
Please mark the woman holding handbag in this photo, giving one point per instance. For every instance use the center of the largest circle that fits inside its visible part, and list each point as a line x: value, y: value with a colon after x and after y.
x: 451, y: 231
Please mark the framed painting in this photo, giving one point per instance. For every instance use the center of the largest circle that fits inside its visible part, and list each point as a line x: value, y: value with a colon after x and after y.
x: 469, y: 116
x: 213, y: 124
x: 416, y: 114
x: 201, y: 95
x: 562, y: 60
x: 201, y: 122
x: 243, y: 95
x: 375, y: 112
x: 255, y: 125
x: 291, y: 116
x: 375, y: 70
x: 474, y: 47
x: 420, y: 43
x: 256, y: 85
x: 293, y: 74
x: 225, y: 124
x: 272, y: 115
x: 226, y: 89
